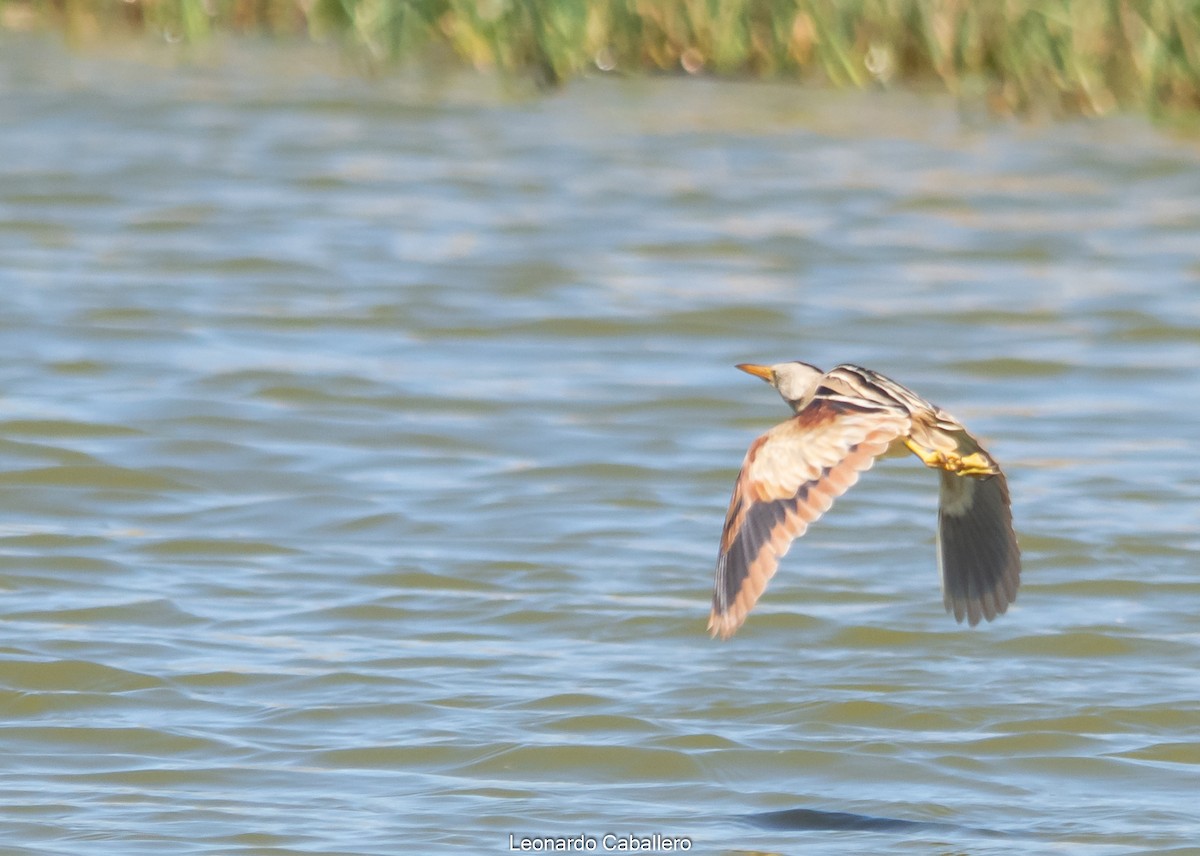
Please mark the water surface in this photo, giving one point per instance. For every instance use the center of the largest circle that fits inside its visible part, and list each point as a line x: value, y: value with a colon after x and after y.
x: 364, y: 448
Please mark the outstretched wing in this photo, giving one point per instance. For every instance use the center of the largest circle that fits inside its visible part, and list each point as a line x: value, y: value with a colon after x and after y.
x: 790, y: 477
x: 977, y: 552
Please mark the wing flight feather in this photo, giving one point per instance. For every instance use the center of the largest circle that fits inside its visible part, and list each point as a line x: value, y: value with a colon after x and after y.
x: 790, y: 477
x: 978, y: 556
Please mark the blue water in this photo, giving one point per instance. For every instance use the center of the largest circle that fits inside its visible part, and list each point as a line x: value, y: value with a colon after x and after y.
x: 364, y: 447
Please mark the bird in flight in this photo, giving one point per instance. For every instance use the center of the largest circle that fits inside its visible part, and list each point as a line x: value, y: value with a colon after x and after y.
x: 844, y: 419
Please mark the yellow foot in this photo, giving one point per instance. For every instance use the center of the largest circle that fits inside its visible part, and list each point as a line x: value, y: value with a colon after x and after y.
x: 974, y: 464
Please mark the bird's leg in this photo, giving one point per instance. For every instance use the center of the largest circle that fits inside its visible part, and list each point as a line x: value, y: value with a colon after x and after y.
x: 977, y: 463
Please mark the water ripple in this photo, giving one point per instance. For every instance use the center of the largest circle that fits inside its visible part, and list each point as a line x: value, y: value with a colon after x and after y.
x: 360, y: 485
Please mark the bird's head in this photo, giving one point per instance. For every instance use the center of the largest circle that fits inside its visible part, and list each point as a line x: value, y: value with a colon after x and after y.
x: 795, y: 381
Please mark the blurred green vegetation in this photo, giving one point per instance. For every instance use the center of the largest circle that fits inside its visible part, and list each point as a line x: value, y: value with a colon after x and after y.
x: 1063, y: 56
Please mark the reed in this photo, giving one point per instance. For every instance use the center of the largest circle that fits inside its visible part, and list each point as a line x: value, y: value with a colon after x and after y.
x: 1065, y: 56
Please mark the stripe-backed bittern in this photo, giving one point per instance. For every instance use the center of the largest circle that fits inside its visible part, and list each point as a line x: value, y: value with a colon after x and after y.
x: 845, y: 419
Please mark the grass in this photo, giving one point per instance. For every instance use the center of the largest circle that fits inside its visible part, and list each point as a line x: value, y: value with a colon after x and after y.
x: 1022, y: 56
